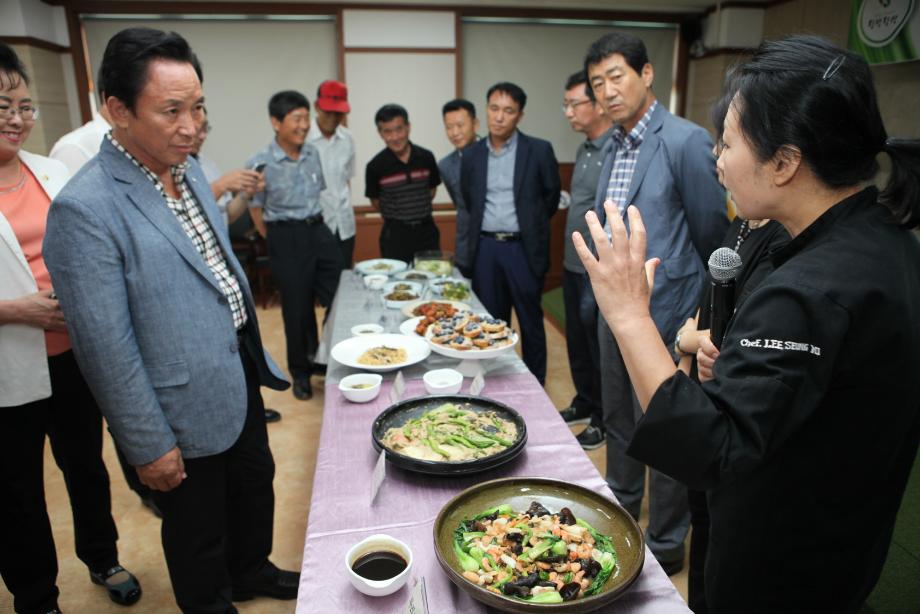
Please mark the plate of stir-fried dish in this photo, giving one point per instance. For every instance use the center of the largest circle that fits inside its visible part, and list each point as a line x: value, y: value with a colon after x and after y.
x: 449, y: 434
x: 538, y: 545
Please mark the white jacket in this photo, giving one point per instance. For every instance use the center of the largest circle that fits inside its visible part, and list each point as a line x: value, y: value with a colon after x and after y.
x: 23, y: 358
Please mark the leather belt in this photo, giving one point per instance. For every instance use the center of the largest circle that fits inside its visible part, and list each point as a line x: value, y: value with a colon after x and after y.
x: 313, y: 220
x: 411, y: 223
x: 502, y: 237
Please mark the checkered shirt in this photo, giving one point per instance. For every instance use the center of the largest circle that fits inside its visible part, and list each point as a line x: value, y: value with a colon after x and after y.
x: 191, y: 217
x: 624, y: 161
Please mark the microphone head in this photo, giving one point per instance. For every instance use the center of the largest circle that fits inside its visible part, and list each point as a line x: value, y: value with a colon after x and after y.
x: 724, y: 264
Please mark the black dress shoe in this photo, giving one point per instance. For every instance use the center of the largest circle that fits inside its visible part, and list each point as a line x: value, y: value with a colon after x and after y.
x: 572, y: 415
x: 270, y: 582
x: 591, y: 438
x: 272, y: 415
x: 302, y: 390
x: 122, y: 586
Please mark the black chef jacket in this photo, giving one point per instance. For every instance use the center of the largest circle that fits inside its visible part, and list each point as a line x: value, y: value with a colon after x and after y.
x: 806, y: 435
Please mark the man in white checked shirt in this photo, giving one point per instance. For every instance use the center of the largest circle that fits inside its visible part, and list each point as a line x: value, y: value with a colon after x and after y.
x: 664, y: 166
x: 163, y: 326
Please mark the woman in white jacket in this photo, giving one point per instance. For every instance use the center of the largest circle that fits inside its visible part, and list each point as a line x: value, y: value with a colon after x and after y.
x: 41, y: 388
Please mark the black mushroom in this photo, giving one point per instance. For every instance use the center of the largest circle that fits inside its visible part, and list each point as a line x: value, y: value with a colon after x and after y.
x: 570, y: 591
x: 515, y: 590
x: 536, y: 509
x: 521, y: 587
x: 478, y: 526
x: 566, y: 516
x: 590, y: 567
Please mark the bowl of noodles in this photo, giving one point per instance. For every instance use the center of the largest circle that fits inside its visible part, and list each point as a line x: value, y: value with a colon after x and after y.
x: 383, y: 352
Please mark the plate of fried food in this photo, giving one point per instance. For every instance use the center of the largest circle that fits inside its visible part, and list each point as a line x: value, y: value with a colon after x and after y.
x: 470, y: 336
x: 384, y: 352
x: 433, y: 309
x: 529, y: 544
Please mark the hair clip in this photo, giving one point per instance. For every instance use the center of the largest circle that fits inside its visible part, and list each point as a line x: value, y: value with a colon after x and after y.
x: 834, y: 66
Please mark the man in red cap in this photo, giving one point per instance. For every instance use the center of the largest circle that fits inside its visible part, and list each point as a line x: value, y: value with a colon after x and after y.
x: 337, y: 155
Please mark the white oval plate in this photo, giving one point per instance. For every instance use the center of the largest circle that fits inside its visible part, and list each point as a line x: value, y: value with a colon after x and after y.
x: 387, y: 266
x: 474, y: 353
x: 407, y: 309
x: 347, y: 352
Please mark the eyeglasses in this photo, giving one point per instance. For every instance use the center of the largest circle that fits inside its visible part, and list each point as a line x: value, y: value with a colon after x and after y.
x: 28, y: 113
x: 566, y: 105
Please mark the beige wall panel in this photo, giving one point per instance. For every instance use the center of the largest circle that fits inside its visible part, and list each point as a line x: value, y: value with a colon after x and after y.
x: 898, y: 87
x: 829, y: 18
x: 420, y: 82
x: 783, y: 19
x: 706, y: 76
x: 244, y: 63
x: 47, y: 89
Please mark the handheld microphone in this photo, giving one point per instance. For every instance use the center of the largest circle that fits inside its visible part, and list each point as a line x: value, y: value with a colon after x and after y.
x: 724, y: 267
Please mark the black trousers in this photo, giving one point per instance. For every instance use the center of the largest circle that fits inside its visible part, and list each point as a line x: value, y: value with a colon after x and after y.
x: 71, y: 419
x: 217, y: 524
x: 582, y: 345
x: 502, y: 278
x: 699, y: 546
x: 347, y: 246
x: 401, y: 240
x: 306, y: 261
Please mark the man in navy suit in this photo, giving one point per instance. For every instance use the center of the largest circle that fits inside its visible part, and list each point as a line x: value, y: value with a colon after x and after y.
x: 164, y: 327
x: 664, y: 166
x: 510, y: 183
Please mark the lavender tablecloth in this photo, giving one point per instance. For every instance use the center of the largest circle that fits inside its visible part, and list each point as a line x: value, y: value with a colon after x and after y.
x: 406, y: 506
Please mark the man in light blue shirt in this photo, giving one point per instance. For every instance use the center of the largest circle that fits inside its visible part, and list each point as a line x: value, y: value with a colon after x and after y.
x: 510, y: 184
x: 303, y: 253
x: 460, y: 124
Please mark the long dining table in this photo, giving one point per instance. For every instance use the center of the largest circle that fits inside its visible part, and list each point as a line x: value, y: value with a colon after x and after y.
x: 342, y: 512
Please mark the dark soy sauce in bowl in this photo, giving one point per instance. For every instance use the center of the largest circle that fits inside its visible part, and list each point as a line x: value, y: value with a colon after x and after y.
x: 381, y: 565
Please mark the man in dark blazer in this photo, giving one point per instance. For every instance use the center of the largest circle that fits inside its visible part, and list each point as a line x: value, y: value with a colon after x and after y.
x: 664, y: 166
x: 510, y: 183
x: 164, y: 328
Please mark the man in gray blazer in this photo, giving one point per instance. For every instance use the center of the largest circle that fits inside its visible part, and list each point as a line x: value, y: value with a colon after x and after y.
x: 663, y: 165
x: 164, y: 328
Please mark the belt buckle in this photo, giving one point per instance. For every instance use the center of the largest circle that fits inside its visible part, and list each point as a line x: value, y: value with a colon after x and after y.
x: 504, y: 237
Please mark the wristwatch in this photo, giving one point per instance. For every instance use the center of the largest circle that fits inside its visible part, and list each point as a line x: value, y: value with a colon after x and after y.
x: 677, y: 349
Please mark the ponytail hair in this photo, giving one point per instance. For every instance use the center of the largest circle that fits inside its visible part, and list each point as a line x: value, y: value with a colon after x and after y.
x: 902, y: 193
x: 804, y: 91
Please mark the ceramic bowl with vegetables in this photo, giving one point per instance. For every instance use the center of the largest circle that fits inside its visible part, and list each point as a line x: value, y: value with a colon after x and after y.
x: 451, y: 288
x: 538, y: 545
x: 438, y: 262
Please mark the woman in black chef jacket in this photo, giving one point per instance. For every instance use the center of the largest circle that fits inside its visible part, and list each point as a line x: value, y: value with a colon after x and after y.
x: 753, y: 241
x: 806, y: 433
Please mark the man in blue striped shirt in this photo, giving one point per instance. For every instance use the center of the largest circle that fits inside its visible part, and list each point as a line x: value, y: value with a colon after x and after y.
x: 664, y: 166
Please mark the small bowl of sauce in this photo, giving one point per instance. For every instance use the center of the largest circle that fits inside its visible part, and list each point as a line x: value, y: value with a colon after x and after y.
x: 379, y: 565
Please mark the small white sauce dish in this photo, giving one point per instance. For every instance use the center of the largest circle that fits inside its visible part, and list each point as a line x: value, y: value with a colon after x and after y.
x: 443, y: 381
x: 366, y: 329
x: 377, y: 543
x: 361, y: 395
x: 375, y: 282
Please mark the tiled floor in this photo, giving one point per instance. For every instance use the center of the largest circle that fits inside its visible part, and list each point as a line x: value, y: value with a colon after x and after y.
x: 293, y: 442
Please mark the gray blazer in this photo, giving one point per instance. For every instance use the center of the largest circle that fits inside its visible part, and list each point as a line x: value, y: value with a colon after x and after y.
x: 150, y: 327
x: 684, y: 209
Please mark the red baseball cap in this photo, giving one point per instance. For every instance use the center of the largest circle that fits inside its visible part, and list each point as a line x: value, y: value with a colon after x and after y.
x: 333, y: 97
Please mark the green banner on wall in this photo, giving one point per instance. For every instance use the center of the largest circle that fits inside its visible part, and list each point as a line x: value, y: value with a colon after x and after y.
x: 885, y: 31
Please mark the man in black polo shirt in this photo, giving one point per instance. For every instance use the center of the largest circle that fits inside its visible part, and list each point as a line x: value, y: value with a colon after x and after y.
x: 401, y: 181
